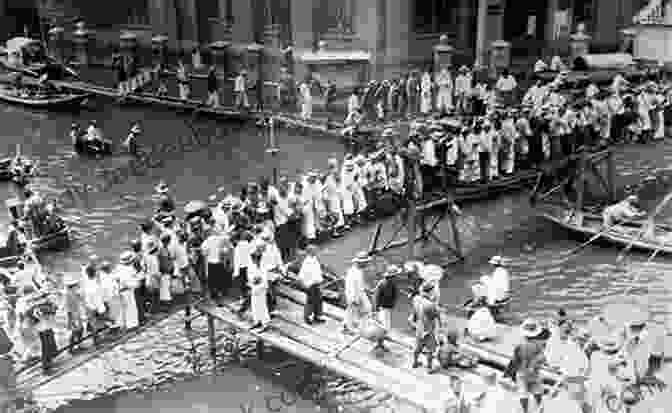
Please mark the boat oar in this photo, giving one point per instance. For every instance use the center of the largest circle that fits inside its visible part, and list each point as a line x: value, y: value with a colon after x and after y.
x: 585, y: 244
x: 659, y: 208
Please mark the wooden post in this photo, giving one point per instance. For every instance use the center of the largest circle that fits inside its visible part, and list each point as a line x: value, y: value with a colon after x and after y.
x: 187, y: 313
x: 410, y: 224
x: 611, y: 175
x: 260, y: 349
x: 456, y: 232
x: 580, y: 189
x: 211, y: 336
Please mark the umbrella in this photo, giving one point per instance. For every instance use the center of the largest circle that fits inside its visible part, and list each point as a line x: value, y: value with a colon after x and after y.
x: 655, y: 404
x: 431, y: 272
x: 195, y: 206
x: 626, y: 311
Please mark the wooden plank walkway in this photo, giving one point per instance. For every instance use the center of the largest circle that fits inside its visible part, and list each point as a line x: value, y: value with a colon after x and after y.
x: 389, y: 372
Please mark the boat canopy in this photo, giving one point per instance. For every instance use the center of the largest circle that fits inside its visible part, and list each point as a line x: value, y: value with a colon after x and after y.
x: 19, y: 43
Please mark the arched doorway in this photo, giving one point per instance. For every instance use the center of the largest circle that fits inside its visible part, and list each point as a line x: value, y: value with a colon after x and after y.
x: 20, y: 16
x: 525, y: 26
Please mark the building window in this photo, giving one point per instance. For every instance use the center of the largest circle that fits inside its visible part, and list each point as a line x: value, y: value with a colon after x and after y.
x: 434, y: 16
x: 138, y: 13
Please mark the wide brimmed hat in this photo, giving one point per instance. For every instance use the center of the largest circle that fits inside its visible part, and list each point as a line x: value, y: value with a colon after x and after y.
x: 361, y: 258
x: 126, y: 258
x: 71, y: 281
x: 431, y: 272
x: 392, y: 270
x: 610, y: 343
x: 496, y: 260
x: 530, y: 328
x: 162, y: 188
x: 463, y: 69
x: 136, y: 128
x: 152, y: 247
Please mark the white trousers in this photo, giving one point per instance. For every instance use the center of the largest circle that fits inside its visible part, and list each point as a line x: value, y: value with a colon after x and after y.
x: 444, y: 100
x: 213, y: 99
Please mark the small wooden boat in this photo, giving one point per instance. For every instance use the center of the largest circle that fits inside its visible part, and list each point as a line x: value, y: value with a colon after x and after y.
x: 20, y: 177
x: 479, y: 191
x: 56, y: 240
x: 41, y: 100
x: 27, y: 56
x: 93, y: 147
x: 622, y: 235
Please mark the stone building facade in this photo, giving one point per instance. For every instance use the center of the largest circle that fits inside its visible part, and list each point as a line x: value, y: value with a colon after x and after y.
x: 395, y: 32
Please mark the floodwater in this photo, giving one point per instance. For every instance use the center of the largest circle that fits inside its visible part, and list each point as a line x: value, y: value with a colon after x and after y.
x: 160, y: 368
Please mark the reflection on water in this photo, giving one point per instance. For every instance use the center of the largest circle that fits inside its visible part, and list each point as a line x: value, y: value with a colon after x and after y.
x: 105, y: 223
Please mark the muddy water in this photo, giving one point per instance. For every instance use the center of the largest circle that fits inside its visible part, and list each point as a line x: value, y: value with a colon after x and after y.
x: 105, y: 222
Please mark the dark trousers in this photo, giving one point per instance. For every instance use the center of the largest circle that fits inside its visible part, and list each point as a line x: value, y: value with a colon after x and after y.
x: 140, y: 294
x: 75, y: 336
x: 219, y: 279
x: 536, y: 149
x: 313, y: 305
x: 49, y: 347
x: 151, y: 302
x: 479, y: 107
x: 283, y: 236
x: 567, y: 143
x: 616, y: 132
x: 271, y: 296
x: 428, y: 177
x: 244, y: 289
x: 484, y: 163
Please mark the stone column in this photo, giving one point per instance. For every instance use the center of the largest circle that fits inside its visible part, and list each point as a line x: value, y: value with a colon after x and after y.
x: 627, y: 40
x: 56, y: 46
x: 159, y: 50
x: 128, y: 43
x: 254, y: 62
x: 443, y: 54
x: 481, y: 32
x: 500, y: 55
x: 579, y: 43
x: 81, y: 39
x: 219, y: 50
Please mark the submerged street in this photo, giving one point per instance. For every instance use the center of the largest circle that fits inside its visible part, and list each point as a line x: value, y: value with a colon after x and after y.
x: 543, y: 280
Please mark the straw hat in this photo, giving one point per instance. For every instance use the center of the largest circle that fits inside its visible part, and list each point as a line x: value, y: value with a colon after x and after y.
x: 610, y: 343
x: 496, y: 260
x: 162, y: 187
x: 71, y: 281
x: 152, y: 247
x: 126, y: 258
x: 392, y: 270
x: 463, y: 69
x: 530, y: 328
x: 361, y: 258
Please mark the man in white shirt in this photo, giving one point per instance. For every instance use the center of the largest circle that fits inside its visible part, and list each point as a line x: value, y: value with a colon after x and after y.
x: 444, y: 99
x: 94, y: 300
x: 271, y: 263
x: 506, y: 87
x: 242, y: 261
x: 217, y: 251
x: 240, y: 90
x: 311, y: 277
x: 564, y: 354
x: 463, y: 89
x: 499, y: 286
x: 357, y: 302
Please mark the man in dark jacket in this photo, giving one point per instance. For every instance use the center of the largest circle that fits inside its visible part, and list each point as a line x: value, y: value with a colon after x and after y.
x: 385, y: 298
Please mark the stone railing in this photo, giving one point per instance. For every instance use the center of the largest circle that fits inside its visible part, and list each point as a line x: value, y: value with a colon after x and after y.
x: 652, y: 13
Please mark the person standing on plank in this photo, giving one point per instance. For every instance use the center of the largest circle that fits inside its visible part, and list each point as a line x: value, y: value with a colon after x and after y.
x: 310, y: 275
x: 357, y: 302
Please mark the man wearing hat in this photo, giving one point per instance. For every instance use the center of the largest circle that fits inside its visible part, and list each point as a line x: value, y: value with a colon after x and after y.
x: 412, y: 92
x: 528, y: 357
x: 463, y: 83
x: 286, y: 88
x: 152, y: 276
x: 499, y: 283
x: 94, y: 300
x: 426, y: 86
x: 606, y: 365
x: 131, y: 142
x: 358, y: 305
x: 565, y: 354
x: 75, y: 310
x: 427, y: 322
x: 240, y: 90
x: 444, y: 98
x: 385, y: 296
x: 311, y: 277
x: 623, y: 211
x: 129, y: 281
x: 305, y: 91
x: 218, y: 253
